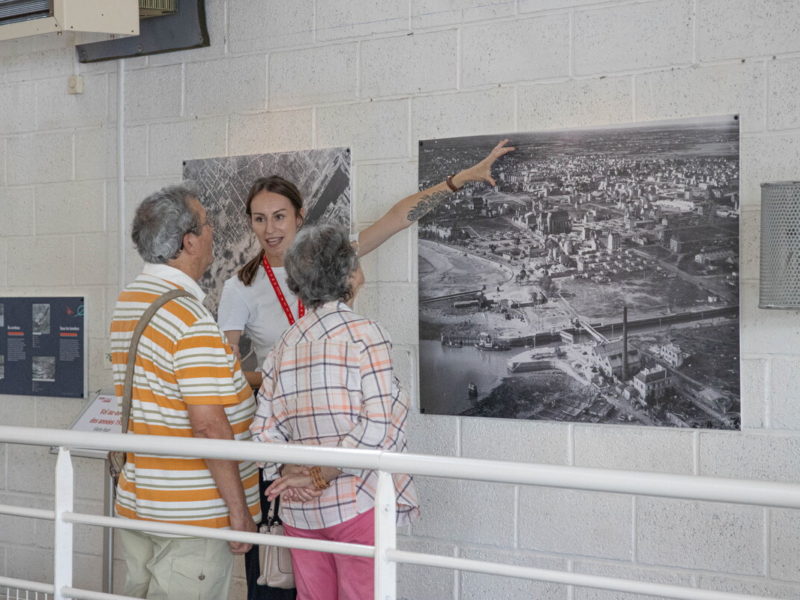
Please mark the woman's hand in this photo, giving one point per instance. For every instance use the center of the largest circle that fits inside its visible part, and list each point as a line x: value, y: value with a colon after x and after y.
x: 482, y: 171
x: 296, y: 485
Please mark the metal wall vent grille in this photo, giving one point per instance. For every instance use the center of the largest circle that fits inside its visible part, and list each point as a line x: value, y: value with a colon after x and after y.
x: 780, y: 245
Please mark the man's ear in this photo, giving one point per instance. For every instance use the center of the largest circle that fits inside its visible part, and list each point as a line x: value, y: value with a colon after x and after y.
x: 189, y: 243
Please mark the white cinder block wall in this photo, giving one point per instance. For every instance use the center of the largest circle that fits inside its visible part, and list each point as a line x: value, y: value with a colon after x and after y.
x: 378, y: 76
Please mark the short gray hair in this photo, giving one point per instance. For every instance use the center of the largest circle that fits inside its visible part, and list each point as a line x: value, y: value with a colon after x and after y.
x: 161, y: 221
x: 319, y: 265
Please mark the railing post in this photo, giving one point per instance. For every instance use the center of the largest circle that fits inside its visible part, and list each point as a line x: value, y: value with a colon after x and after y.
x: 62, y: 546
x: 385, y: 538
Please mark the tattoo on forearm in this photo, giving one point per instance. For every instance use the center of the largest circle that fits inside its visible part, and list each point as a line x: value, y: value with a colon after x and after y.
x: 426, y: 204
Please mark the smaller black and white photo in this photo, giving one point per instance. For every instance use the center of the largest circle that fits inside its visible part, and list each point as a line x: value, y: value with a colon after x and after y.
x: 2, y: 365
x: 2, y: 315
x: 41, y: 319
x: 44, y: 368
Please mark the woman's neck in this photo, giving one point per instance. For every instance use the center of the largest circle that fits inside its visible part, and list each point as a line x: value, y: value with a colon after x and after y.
x: 274, y: 261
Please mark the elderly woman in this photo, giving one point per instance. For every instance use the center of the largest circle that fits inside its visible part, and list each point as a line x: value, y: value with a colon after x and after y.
x: 329, y: 382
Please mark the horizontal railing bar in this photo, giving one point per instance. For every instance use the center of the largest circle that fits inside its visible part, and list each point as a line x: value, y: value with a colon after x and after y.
x: 564, y: 577
x: 24, y: 584
x: 81, y: 594
x: 689, y: 487
x: 228, y: 535
x: 22, y: 511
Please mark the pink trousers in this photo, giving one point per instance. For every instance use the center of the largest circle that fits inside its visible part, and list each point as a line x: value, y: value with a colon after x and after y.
x: 325, y: 576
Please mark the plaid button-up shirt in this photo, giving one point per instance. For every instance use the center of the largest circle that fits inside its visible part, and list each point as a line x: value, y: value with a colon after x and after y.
x: 329, y: 382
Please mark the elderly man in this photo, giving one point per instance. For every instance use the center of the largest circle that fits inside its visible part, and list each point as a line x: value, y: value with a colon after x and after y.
x: 187, y: 383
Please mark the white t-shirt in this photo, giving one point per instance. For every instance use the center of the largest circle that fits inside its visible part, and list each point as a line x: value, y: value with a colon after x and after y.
x: 255, y: 309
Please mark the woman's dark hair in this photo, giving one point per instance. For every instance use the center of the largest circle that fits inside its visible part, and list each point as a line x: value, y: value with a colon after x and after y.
x: 320, y: 264
x: 276, y: 185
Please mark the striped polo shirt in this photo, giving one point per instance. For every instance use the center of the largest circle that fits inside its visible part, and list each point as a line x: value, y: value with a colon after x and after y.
x: 182, y: 359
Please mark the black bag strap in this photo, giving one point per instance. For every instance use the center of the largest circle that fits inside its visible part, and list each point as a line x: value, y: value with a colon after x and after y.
x: 137, y: 333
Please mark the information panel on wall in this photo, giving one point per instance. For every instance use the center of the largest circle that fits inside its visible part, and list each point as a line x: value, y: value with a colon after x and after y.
x: 42, y: 346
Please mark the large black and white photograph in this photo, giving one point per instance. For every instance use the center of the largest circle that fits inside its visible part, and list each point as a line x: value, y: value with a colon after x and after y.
x: 598, y: 282
x: 322, y: 176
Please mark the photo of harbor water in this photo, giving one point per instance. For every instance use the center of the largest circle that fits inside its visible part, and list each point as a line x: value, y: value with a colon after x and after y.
x: 599, y: 282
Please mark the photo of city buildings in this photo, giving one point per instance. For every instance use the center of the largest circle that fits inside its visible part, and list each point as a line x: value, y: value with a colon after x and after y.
x: 597, y: 283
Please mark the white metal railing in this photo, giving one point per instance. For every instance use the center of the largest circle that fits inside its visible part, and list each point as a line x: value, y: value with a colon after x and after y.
x: 385, y: 552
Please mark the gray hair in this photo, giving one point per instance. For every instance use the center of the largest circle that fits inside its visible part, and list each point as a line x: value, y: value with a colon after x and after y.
x: 161, y: 221
x: 319, y: 265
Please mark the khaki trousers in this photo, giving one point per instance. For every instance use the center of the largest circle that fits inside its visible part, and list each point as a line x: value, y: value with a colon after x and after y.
x: 164, y: 568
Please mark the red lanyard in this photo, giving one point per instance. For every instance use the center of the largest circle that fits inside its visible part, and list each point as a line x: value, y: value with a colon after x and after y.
x: 301, y: 310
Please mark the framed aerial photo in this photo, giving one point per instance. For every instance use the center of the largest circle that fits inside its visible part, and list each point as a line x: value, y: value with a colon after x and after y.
x: 599, y: 282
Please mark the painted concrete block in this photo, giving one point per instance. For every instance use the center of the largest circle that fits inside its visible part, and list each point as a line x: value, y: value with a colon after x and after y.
x: 760, y: 456
x: 33, y: 262
x: 55, y: 108
x: 700, y: 535
x: 438, y: 13
x: 742, y: 28
x: 634, y: 449
x: 696, y: 91
x: 15, y: 411
x: 3, y: 161
x: 35, y: 564
x: 390, y: 261
x: 443, y: 499
x: 337, y: 19
x: 66, y: 208
x: 784, y: 377
x: 379, y: 187
x: 16, y: 530
x: 34, y: 61
x: 172, y: 143
x: 312, y: 76
x: 17, y: 211
x: 632, y: 37
x: 154, y: 93
x: 225, y: 86
x: 30, y: 469
x: 755, y: 586
x: 784, y: 560
x: 432, y: 434
x: 442, y: 116
x: 391, y: 66
x: 625, y: 571
x: 766, y: 158
x: 39, y: 158
x: 95, y: 153
x: 784, y: 93
x: 510, y: 51
x: 3, y: 263
x: 518, y: 441
x: 270, y: 132
x: 753, y: 392
x: 478, y: 586
x: 424, y: 583
x: 17, y: 105
x: 749, y: 243
x: 576, y: 103
x: 394, y: 306
x: 270, y: 24
x: 539, y: 5
x: 96, y: 259
x: 372, y: 130
x: 575, y: 522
